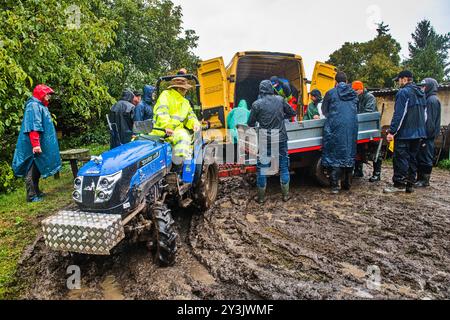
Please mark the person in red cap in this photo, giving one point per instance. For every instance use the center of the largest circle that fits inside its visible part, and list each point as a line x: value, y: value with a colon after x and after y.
x: 366, y: 103
x: 37, y: 149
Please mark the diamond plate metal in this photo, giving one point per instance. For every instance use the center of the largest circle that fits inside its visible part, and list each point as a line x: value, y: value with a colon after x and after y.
x: 83, y: 232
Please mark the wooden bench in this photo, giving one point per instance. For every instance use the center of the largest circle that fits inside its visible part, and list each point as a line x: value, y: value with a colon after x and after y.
x: 73, y: 156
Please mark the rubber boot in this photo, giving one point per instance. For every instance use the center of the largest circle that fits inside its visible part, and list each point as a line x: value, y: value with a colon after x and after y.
x: 285, y: 192
x: 409, y: 187
x: 358, y: 173
x: 347, y: 183
x: 424, y: 182
x: 376, y: 177
x: 334, y: 180
x: 261, y: 195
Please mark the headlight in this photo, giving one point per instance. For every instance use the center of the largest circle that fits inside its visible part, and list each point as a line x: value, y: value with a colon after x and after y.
x: 77, y: 185
x: 105, y: 187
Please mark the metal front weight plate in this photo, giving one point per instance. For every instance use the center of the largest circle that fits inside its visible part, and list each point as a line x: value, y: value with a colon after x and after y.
x: 83, y: 232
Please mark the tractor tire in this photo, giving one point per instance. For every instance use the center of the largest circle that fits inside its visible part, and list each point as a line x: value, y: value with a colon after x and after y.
x: 206, y: 190
x: 320, y: 174
x: 164, y: 235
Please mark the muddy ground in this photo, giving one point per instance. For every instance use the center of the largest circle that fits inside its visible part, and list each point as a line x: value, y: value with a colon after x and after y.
x: 361, y: 244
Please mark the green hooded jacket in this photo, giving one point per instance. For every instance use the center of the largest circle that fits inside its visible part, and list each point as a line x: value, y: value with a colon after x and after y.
x: 237, y: 116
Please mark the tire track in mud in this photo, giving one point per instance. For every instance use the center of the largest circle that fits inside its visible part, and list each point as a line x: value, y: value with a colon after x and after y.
x: 314, y: 247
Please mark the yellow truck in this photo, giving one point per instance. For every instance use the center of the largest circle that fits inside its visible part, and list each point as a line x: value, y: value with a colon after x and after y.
x: 221, y: 88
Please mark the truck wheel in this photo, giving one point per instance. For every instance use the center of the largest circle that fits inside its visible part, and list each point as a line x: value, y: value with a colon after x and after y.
x: 164, y: 235
x: 208, y: 186
x: 320, y: 174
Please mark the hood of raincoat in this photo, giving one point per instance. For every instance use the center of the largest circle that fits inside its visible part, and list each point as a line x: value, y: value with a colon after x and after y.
x: 148, y: 94
x: 346, y: 92
x: 127, y: 95
x: 265, y: 88
x: 41, y: 91
x: 243, y: 104
x: 417, y: 90
x: 431, y: 86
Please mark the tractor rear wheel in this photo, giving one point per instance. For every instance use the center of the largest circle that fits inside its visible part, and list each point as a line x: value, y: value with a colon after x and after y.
x: 164, y: 235
x: 208, y: 186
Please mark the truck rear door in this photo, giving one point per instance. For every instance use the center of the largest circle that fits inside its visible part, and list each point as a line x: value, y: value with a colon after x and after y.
x: 323, y: 77
x: 213, y: 92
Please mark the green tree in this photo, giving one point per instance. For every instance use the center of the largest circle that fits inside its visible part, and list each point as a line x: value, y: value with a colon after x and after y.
x: 374, y: 62
x: 428, y: 53
x: 150, y: 41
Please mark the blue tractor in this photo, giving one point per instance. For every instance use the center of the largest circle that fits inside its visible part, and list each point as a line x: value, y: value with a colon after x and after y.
x: 124, y: 193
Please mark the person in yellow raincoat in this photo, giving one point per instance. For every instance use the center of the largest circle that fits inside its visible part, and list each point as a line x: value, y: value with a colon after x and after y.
x: 173, y: 113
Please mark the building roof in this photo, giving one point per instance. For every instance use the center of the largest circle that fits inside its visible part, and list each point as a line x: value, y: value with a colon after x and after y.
x: 392, y: 91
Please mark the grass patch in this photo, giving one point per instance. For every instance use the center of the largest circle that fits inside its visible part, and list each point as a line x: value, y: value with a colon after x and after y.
x: 19, y: 222
x: 445, y: 164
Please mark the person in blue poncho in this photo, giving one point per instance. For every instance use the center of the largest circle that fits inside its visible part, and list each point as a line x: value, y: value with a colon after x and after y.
x: 37, y: 150
x: 144, y: 110
x: 340, y: 132
x: 237, y: 116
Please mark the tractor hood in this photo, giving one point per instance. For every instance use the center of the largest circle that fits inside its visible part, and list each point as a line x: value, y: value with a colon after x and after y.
x: 120, y: 158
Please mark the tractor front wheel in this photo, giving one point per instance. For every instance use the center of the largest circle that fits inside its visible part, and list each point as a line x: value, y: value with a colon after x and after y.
x: 164, y: 236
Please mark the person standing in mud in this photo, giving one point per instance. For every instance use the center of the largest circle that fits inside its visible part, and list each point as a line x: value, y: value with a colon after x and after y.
x: 425, y: 157
x: 340, y: 132
x: 270, y: 112
x: 406, y: 130
x: 366, y: 103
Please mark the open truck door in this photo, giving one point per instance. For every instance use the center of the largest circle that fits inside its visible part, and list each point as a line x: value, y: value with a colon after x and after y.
x: 323, y: 77
x: 214, y: 96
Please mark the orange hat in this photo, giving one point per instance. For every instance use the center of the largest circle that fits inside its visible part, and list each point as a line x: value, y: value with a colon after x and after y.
x: 357, y: 85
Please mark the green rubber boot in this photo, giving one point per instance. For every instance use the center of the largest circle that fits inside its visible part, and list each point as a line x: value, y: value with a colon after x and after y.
x: 285, y: 192
x: 261, y: 196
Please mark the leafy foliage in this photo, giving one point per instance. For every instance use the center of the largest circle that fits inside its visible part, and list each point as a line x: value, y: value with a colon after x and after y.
x: 428, y: 53
x: 374, y: 62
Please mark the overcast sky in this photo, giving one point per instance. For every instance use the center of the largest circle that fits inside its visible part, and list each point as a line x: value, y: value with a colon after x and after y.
x: 313, y: 29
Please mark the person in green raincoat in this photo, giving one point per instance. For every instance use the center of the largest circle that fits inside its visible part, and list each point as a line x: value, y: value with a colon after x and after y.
x: 237, y: 116
x: 37, y: 150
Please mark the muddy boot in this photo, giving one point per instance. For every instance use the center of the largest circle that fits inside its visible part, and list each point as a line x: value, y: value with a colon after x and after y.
x: 424, y: 181
x: 347, y: 183
x: 397, y: 188
x: 334, y: 180
x: 261, y: 195
x: 285, y: 192
x: 409, y: 187
x: 358, y: 173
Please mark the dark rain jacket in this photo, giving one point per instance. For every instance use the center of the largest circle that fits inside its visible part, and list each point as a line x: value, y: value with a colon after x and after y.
x: 433, y: 109
x: 408, y: 122
x: 144, y: 110
x: 340, y: 132
x: 270, y: 111
x: 121, y: 117
x: 367, y: 102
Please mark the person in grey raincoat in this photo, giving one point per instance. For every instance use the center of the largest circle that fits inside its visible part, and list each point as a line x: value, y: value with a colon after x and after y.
x: 37, y: 149
x: 144, y: 110
x: 425, y: 155
x: 340, y: 132
x: 121, y: 118
x: 270, y: 112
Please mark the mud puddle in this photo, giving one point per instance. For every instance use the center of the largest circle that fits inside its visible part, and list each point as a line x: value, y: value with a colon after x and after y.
x: 361, y: 244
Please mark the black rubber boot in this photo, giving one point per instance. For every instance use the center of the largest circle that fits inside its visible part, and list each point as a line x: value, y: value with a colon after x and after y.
x: 409, y: 187
x: 376, y: 172
x: 347, y: 183
x: 334, y: 180
x: 358, y: 173
x: 424, y: 182
x: 261, y: 196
